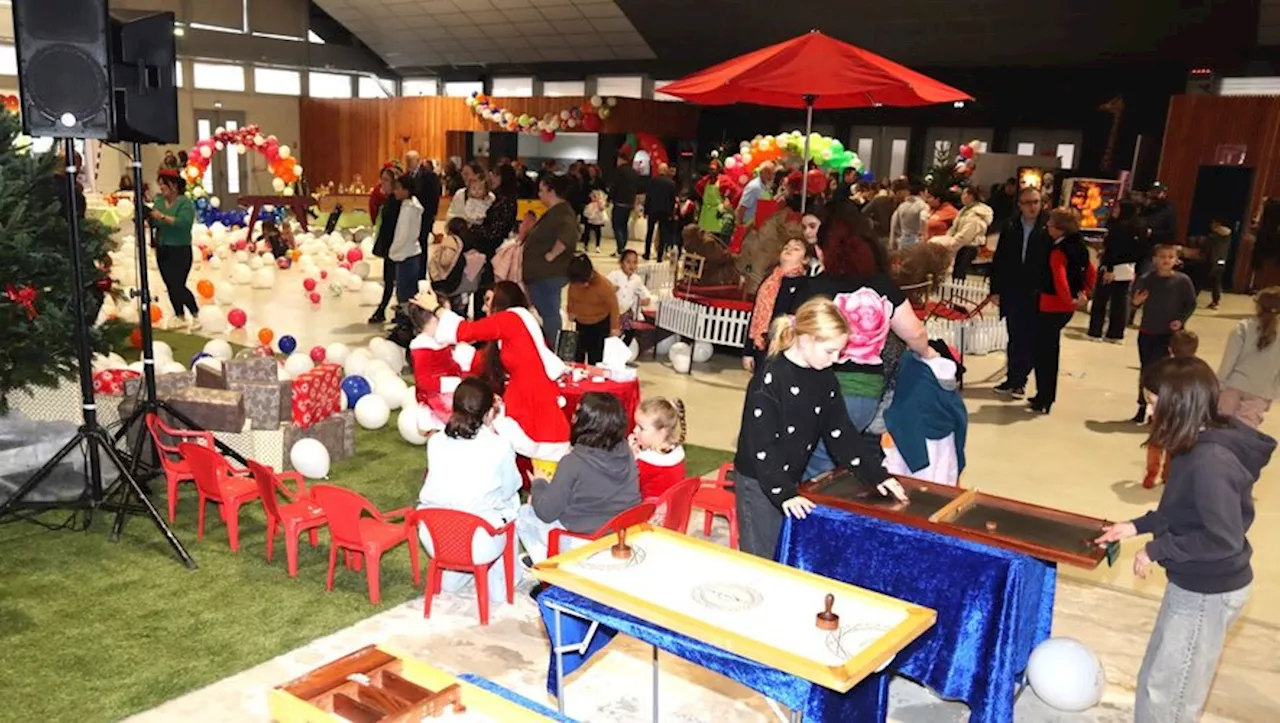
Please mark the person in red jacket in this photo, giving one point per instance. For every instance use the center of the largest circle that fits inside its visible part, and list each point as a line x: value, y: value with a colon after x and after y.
x: 437, y: 370
x: 657, y: 444
x: 1063, y: 288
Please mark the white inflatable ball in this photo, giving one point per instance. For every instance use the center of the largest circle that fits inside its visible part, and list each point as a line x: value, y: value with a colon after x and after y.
x: 215, y: 263
x: 264, y: 278
x: 161, y: 352
x: 664, y: 346
x: 241, y: 275
x: 361, y: 269
x: 171, y: 367
x: 310, y: 458
x: 336, y: 353
x: 372, y: 412
x: 408, y: 422
x: 702, y: 351
x: 1066, y: 675
x: 371, y: 293
x: 213, y: 319
x: 255, y: 262
x: 298, y: 364
x: 353, y: 283
x: 218, y: 349
x: 681, y: 356
x: 392, y: 391
x: 356, y: 361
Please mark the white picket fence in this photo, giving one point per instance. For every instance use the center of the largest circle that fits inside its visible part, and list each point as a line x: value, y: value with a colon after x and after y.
x: 981, y: 334
x: 700, y: 322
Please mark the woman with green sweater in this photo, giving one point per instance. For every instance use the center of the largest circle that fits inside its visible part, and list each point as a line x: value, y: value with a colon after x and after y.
x: 172, y: 216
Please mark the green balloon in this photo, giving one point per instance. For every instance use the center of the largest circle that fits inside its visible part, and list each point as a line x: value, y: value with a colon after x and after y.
x: 837, y: 147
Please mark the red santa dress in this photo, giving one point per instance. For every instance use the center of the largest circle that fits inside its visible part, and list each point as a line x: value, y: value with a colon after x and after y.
x: 437, y: 371
x: 532, y: 421
x: 660, y: 471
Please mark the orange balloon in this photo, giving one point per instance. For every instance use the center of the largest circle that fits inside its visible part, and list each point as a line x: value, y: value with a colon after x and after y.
x: 205, y: 288
x: 295, y: 254
x: 265, y: 335
x: 156, y: 314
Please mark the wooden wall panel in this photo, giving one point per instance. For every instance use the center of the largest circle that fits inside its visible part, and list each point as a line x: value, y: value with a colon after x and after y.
x: 344, y: 137
x: 1198, y: 124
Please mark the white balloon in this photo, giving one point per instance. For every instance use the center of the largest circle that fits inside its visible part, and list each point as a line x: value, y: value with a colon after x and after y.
x: 264, y: 278
x: 209, y: 363
x: 664, y: 346
x: 285, y: 151
x: 681, y: 356
x: 336, y: 353
x: 393, y: 355
x: 392, y: 391
x: 298, y: 364
x: 215, y: 263
x: 241, y: 275
x: 224, y: 294
x: 215, y: 201
x: 218, y: 349
x: 361, y: 269
x: 242, y: 257
x: 702, y: 352
x: 371, y: 293
x: 410, y: 398
x: 161, y: 352
x: 277, y: 184
x: 1066, y: 675
x: 356, y: 362
x: 137, y: 366
x: 342, y: 401
x: 171, y: 367
x: 374, y: 367
x: 372, y: 412
x: 255, y: 262
x: 353, y: 283
x: 407, y: 423
x: 377, y: 343
x: 212, y: 318
x: 310, y: 458
x: 115, y: 361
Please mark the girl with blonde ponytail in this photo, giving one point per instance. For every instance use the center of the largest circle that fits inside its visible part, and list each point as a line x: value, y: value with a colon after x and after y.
x: 1250, y: 369
x: 658, y: 444
x: 793, y: 403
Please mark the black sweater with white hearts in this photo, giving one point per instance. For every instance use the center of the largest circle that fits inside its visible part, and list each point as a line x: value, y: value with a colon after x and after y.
x: 788, y: 409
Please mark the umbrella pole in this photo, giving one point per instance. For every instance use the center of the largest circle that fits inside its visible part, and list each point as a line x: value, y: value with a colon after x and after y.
x: 804, y: 162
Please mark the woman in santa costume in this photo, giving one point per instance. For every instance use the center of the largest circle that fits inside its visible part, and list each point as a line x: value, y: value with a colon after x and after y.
x: 517, y: 362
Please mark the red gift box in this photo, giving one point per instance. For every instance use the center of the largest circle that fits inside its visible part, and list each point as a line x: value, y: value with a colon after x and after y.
x: 316, y: 395
x: 111, y: 381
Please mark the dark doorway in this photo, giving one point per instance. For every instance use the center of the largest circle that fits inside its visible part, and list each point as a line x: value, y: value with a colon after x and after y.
x: 1222, y: 192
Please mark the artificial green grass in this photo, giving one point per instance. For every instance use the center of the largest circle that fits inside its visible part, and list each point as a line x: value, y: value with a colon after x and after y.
x: 95, y: 631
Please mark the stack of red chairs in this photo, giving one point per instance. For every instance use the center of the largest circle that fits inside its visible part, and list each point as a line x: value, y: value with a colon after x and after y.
x: 716, y: 497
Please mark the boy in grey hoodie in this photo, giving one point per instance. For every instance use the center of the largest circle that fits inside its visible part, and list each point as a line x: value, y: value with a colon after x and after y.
x: 593, y: 483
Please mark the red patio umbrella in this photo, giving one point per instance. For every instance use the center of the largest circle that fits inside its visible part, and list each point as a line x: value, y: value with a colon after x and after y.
x: 812, y: 71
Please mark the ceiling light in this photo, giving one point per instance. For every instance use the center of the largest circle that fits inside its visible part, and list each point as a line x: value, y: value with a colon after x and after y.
x: 179, y: 31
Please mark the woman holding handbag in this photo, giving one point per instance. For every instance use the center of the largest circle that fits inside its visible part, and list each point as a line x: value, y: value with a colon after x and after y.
x: 1120, y: 254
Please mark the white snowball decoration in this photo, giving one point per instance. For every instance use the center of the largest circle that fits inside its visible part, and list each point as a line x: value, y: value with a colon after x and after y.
x: 171, y: 367
x: 372, y: 412
x: 162, y: 352
x: 407, y: 423
x: 336, y: 353
x: 681, y: 356
x: 356, y: 362
x: 702, y: 352
x: 310, y: 458
x: 264, y: 278
x: 353, y: 283
x: 241, y: 275
x: 371, y: 293
x: 255, y: 262
x: 392, y: 391
x: 213, y: 319
x: 1066, y: 675
x: 298, y: 364
x: 664, y: 346
x: 361, y: 269
x: 218, y: 349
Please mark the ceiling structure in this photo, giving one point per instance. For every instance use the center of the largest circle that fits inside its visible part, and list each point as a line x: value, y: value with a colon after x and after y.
x: 670, y: 38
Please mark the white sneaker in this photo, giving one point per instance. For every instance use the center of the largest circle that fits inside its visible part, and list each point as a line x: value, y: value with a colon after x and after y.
x: 193, y: 325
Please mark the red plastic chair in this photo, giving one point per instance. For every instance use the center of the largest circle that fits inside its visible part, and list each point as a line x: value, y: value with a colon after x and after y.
x: 299, y: 514
x: 678, y: 504
x: 217, y: 481
x: 451, y: 533
x: 627, y: 518
x: 368, y: 538
x: 176, y: 470
x: 716, y: 498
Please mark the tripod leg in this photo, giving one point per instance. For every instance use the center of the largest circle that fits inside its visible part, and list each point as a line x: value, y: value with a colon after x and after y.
x: 102, y: 439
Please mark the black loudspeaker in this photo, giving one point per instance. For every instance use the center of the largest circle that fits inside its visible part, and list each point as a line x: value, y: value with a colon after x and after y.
x: 146, y: 97
x: 64, y: 67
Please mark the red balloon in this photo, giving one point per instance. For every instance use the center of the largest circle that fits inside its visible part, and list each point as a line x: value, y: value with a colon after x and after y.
x: 317, y: 354
x: 237, y: 318
x: 324, y: 274
x: 315, y: 297
x: 591, y: 123
x: 343, y: 265
x: 354, y: 255
x: 309, y: 284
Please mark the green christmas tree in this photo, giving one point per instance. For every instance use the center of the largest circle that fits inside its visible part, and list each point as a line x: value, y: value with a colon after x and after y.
x: 942, y: 173
x: 37, y: 315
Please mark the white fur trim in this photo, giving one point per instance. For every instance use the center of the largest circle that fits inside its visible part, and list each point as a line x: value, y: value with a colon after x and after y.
x: 424, y: 341
x: 943, y: 368
x: 510, y: 430
x: 448, y: 385
x: 662, y: 459
x: 447, y: 329
x: 551, y: 364
x: 464, y: 355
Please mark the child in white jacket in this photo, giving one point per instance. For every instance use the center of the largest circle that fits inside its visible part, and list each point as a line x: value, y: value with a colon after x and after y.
x: 407, y: 243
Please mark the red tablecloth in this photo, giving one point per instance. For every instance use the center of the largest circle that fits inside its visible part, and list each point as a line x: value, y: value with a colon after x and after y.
x: 628, y: 392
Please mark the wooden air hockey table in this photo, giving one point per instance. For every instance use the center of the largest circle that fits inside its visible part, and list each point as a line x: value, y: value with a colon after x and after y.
x: 1040, y: 532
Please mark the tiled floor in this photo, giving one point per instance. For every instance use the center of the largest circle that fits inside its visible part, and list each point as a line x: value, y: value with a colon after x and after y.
x: 1083, y: 458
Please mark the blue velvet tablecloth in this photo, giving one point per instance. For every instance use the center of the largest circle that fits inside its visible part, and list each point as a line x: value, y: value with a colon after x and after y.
x: 868, y: 701
x: 514, y: 697
x: 994, y: 606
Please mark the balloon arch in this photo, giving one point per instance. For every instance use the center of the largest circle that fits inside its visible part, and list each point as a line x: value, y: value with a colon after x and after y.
x: 284, y: 167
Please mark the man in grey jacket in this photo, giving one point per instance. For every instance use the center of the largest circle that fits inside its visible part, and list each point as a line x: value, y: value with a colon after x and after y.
x: 906, y: 228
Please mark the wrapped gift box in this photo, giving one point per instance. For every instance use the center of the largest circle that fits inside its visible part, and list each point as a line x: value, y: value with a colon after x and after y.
x: 337, y: 434
x: 166, y: 384
x: 261, y: 403
x: 260, y: 445
x: 286, y: 401
x: 316, y: 395
x: 212, y: 409
x: 251, y: 369
x: 210, y: 378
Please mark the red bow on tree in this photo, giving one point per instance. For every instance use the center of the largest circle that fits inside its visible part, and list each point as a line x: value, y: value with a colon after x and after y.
x: 24, y: 296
